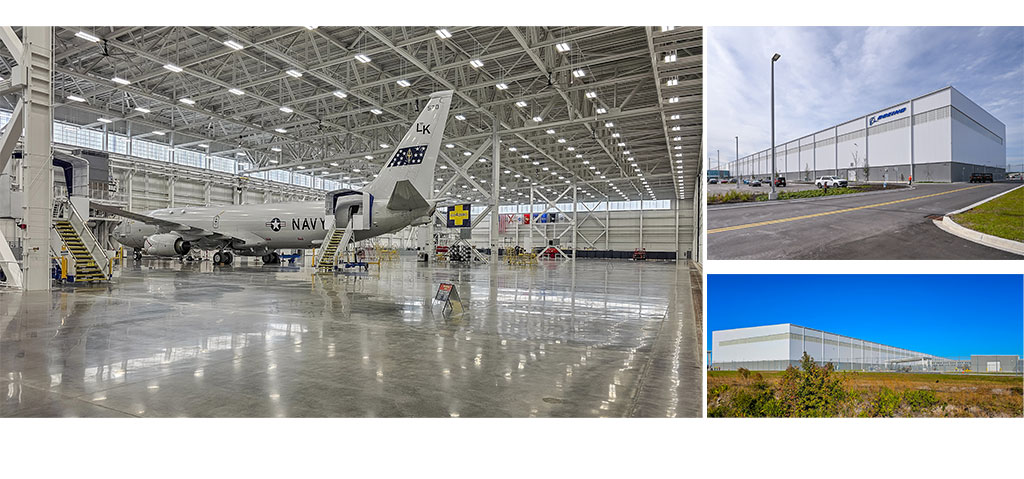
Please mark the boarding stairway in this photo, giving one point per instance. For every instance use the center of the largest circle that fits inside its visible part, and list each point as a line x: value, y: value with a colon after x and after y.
x: 90, y: 260
x: 333, y: 248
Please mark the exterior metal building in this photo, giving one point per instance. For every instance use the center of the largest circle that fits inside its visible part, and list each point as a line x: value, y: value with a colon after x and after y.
x: 941, y: 136
x: 776, y: 347
x: 995, y: 363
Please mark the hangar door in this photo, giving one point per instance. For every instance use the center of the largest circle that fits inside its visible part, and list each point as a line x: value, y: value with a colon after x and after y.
x: 992, y: 366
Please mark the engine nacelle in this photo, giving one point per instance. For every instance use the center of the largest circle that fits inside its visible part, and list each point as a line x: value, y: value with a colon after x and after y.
x: 167, y: 244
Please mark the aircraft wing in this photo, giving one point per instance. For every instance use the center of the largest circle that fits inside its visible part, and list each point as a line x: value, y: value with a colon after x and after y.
x: 188, y: 232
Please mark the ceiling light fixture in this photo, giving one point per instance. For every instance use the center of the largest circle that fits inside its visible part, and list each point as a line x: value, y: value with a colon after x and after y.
x: 86, y: 36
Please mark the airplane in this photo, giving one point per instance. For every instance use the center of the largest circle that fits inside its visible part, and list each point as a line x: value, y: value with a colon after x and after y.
x: 396, y: 198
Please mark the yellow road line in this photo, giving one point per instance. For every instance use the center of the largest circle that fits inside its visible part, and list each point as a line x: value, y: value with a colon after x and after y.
x: 804, y: 217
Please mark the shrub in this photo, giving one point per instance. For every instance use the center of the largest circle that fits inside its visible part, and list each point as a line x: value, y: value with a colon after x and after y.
x: 919, y: 400
x: 734, y: 196
x: 744, y: 372
x: 885, y: 404
x: 812, y: 390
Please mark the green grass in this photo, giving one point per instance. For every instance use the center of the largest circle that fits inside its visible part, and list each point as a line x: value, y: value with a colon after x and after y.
x: 1002, y: 217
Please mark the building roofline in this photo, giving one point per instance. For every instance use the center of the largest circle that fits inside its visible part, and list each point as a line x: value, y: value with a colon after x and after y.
x: 947, y: 87
x: 932, y: 356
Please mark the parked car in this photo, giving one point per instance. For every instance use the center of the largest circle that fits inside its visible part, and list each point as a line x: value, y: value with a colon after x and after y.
x: 830, y: 182
x: 713, y: 181
x: 755, y: 182
x: 981, y: 177
x: 746, y: 182
x: 780, y: 181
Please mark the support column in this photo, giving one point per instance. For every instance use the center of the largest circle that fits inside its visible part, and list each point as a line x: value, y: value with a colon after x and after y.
x: 495, y: 167
x: 170, y: 190
x: 38, y: 60
x: 642, y: 219
x: 607, y: 223
x: 911, y: 141
x: 575, y: 220
x: 679, y: 227
x: 129, y: 178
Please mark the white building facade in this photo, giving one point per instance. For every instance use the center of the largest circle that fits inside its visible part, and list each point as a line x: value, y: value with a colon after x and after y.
x: 776, y: 347
x: 942, y: 136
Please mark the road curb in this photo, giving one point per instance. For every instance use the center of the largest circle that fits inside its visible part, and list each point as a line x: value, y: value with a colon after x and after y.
x: 953, y: 228
x: 752, y: 204
x: 986, y: 200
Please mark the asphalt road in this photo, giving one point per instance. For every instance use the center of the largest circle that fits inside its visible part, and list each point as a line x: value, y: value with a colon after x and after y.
x: 890, y: 225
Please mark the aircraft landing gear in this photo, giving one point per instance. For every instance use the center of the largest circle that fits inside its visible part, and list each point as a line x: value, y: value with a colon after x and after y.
x: 138, y: 255
x: 271, y: 258
x: 223, y: 258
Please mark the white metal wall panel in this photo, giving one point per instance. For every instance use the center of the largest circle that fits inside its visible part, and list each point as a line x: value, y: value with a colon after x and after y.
x: 851, y: 153
x: 932, y: 136
x: 806, y: 163
x: 889, y: 142
x: 757, y: 349
x: 978, y: 114
x: 973, y: 145
x: 852, y: 125
x: 932, y: 101
x: 825, y: 152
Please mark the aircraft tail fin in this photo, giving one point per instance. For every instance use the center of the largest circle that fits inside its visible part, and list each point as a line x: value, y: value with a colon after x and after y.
x: 415, y: 157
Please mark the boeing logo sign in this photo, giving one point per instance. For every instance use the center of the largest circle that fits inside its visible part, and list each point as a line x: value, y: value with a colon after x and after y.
x: 886, y: 115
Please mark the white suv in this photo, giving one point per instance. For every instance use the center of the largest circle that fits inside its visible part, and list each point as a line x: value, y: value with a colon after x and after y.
x: 829, y: 182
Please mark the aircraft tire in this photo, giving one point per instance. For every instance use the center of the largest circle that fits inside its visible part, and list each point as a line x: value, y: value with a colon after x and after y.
x: 268, y: 258
x: 217, y: 257
x: 228, y: 257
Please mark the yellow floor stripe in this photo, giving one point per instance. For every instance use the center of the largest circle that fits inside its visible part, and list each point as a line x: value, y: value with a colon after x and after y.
x: 795, y: 218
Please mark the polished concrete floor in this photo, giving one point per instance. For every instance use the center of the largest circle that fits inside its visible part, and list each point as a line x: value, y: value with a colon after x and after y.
x: 595, y: 338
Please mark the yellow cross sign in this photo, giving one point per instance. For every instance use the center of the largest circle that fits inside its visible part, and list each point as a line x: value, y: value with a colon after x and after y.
x: 458, y: 216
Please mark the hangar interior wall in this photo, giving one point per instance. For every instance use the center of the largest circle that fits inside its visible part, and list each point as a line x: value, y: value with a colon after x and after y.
x: 155, y: 185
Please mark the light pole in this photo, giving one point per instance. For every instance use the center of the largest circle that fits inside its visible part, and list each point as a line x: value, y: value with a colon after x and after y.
x: 773, y: 195
x: 719, y: 153
x: 737, y: 160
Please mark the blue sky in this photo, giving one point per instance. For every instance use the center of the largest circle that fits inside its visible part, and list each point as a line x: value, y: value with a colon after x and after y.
x: 828, y: 75
x: 945, y: 315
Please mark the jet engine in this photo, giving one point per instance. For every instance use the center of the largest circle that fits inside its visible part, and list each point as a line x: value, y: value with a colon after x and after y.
x: 167, y: 244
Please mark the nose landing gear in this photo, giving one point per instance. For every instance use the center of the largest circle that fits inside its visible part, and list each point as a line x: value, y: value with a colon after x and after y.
x: 271, y: 258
